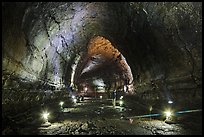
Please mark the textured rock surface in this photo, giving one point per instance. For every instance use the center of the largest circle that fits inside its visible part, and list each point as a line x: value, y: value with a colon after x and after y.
x: 44, y: 43
x: 168, y: 47
x: 82, y: 121
x: 50, y: 35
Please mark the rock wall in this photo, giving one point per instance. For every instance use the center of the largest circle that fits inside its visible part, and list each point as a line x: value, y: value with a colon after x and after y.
x: 46, y: 37
x: 160, y: 41
x: 164, y: 44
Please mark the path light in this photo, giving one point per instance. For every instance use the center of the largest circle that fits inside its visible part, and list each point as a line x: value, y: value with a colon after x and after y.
x: 150, y: 110
x: 121, y: 97
x: 131, y: 120
x: 121, y: 102
x: 101, y: 97
x: 170, y: 102
x: 168, y: 114
x: 75, y: 100
x: 45, y: 116
x: 61, y: 103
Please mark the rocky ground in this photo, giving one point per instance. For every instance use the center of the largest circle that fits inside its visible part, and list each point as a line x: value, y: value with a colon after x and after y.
x: 98, y: 117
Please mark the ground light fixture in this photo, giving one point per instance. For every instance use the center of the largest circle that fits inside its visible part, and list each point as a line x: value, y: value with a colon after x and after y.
x: 150, y: 110
x: 101, y: 97
x: 74, y: 100
x: 45, y: 116
x: 121, y: 97
x: 168, y: 114
x: 170, y: 102
x: 73, y: 97
x: 121, y: 102
x: 61, y: 103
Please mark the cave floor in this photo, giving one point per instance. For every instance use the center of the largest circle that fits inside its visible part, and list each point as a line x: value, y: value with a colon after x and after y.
x: 98, y: 117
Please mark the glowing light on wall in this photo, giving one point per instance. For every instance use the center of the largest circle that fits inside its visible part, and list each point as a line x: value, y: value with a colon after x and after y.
x: 74, y: 66
x: 99, y: 82
x: 95, y: 62
x: 89, y: 67
x: 125, y: 88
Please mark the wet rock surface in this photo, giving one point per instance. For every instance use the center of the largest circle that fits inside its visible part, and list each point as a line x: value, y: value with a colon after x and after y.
x: 83, y: 120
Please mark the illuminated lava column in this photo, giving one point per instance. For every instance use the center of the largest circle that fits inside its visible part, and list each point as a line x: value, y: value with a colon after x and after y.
x: 100, y: 52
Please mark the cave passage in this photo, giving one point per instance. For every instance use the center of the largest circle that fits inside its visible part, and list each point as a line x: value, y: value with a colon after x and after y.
x: 101, y: 68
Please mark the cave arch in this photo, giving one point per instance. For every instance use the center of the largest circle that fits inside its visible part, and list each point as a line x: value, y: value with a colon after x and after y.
x: 100, y: 55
